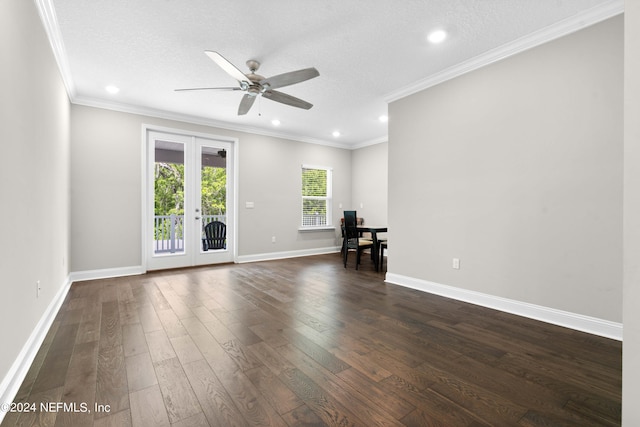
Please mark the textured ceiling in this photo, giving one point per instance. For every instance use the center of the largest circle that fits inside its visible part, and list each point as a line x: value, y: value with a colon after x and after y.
x: 365, y: 51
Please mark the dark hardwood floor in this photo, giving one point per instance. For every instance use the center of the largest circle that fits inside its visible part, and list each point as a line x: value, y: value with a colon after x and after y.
x: 305, y: 342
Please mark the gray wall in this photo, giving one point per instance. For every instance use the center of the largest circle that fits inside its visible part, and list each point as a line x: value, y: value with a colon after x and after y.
x: 369, y: 183
x: 516, y: 169
x: 34, y: 136
x: 270, y: 176
x: 631, y: 347
x: 106, y: 189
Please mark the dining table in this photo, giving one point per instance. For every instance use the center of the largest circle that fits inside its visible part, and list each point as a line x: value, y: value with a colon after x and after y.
x: 374, y: 230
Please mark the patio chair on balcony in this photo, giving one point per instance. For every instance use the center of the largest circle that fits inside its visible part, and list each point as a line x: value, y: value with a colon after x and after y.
x: 216, y: 236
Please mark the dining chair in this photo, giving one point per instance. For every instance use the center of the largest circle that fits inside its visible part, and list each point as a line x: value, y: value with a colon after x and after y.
x: 383, y: 246
x: 359, y: 221
x: 352, y: 239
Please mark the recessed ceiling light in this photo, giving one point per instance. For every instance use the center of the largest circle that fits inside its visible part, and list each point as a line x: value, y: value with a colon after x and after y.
x: 112, y: 89
x: 437, y: 36
x: 275, y: 122
x: 336, y: 133
x: 383, y: 119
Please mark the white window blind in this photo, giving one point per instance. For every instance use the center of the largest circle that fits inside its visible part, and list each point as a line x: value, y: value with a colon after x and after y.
x: 316, y: 196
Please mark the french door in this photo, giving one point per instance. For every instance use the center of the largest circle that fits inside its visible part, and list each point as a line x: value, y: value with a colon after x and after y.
x: 189, y: 183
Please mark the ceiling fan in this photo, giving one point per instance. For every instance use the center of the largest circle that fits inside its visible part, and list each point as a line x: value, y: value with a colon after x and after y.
x: 254, y: 84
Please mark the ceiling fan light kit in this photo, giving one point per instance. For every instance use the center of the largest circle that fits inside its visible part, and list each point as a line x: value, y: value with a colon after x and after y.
x: 255, y: 85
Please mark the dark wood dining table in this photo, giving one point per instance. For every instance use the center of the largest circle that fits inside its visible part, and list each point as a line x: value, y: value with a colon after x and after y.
x: 374, y: 230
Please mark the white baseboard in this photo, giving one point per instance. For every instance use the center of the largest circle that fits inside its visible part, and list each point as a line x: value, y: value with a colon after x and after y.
x: 566, y: 319
x: 79, y: 276
x: 18, y: 371
x: 287, y: 254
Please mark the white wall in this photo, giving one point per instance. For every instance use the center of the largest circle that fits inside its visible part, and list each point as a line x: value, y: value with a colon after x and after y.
x: 369, y: 183
x: 34, y: 136
x: 631, y: 345
x: 516, y: 169
x: 106, y: 189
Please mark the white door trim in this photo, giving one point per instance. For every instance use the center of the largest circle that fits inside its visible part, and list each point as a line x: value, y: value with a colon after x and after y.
x: 232, y: 208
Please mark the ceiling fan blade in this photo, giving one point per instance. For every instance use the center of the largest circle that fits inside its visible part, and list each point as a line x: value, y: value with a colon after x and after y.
x: 286, y: 99
x: 227, y: 66
x: 245, y: 104
x: 290, y: 78
x: 208, y: 88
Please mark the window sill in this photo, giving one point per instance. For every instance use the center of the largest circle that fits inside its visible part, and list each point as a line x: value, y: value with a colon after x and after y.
x: 320, y: 228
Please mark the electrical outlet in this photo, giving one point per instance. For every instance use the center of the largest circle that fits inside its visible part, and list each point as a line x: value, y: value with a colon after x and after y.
x: 456, y: 263
x: 273, y: 239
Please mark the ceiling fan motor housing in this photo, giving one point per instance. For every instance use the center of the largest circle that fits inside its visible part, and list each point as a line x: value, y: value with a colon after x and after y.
x: 255, y: 88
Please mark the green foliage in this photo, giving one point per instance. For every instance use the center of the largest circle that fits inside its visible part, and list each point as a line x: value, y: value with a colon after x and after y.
x: 314, y: 186
x: 169, y: 190
x: 313, y: 207
x: 169, y: 195
x: 314, y: 182
x: 214, y: 191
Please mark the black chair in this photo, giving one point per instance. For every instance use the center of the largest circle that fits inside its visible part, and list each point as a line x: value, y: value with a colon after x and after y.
x: 352, y: 239
x: 383, y: 246
x: 216, y: 236
x: 359, y: 221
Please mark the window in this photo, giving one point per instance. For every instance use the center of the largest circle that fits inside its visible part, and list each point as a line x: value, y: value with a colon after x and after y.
x: 316, y: 196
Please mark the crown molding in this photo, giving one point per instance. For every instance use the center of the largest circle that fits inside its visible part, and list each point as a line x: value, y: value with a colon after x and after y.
x: 562, y: 28
x: 370, y: 142
x: 185, y: 118
x: 592, y: 16
x: 167, y: 115
x: 47, y: 13
x: 50, y: 22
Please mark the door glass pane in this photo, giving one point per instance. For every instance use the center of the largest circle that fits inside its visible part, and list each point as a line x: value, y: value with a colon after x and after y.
x: 213, y: 194
x: 169, y: 181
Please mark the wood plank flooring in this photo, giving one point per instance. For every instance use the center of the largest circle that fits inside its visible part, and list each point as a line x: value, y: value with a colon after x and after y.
x: 306, y: 342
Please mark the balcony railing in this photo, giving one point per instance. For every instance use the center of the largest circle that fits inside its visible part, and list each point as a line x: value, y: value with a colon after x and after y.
x: 169, y: 232
x: 312, y: 220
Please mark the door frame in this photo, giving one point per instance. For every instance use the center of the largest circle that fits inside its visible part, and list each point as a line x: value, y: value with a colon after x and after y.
x: 232, y: 205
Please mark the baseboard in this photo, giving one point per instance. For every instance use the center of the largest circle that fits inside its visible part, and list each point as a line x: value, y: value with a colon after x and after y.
x: 287, y: 254
x: 591, y: 325
x: 18, y: 371
x: 79, y: 276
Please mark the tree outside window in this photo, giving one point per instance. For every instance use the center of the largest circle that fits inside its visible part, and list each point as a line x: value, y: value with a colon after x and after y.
x: 316, y: 196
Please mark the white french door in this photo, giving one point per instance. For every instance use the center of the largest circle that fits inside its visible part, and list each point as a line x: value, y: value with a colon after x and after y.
x: 189, y: 183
